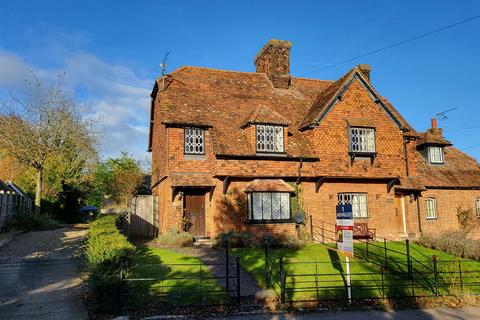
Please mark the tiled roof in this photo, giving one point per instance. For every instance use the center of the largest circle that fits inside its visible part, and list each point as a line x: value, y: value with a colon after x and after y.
x: 327, y: 97
x: 272, y: 185
x: 192, y: 179
x: 224, y: 100
x: 410, y: 183
x: 426, y: 138
x: 458, y: 171
x: 265, y: 115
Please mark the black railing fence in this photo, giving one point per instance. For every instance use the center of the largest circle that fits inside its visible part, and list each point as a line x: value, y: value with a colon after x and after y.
x: 176, y: 285
x: 387, y: 269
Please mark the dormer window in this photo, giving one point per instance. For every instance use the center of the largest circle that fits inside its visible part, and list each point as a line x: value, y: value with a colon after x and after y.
x: 194, y: 140
x: 362, y: 140
x: 435, y: 154
x: 270, y: 139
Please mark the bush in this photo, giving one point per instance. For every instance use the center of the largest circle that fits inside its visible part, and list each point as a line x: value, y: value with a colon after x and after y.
x: 455, y: 242
x: 175, y: 239
x: 106, y: 248
x: 31, y: 222
x: 236, y: 239
x: 244, y: 239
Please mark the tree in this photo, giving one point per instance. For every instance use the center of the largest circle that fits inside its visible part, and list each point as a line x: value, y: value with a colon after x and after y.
x: 119, y: 178
x: 46, y: 127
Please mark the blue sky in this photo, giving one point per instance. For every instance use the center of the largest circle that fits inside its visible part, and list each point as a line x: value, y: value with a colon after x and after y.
x: 111, y: 51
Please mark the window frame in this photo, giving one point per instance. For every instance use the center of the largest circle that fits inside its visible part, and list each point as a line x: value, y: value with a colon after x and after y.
x: 185, y: 141
x: 282, y: 128
x: 433, y: 209
x: 367, y: 214
x: 350, y: 142
x: 250, y: 213
x: 441, y: 154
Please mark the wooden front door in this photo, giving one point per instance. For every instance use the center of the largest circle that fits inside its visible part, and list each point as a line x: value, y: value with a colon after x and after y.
x: 400, y: 213
x: 194, y: 206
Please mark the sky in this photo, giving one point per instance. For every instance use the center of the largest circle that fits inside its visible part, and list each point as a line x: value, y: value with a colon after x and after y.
x: 111, y: 51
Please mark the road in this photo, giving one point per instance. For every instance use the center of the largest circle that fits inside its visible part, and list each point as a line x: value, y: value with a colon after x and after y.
x: 39, y: 276
x: 414, y: 314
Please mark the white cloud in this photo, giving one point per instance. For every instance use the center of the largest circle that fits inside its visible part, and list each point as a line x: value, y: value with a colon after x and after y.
x: 119, y: 97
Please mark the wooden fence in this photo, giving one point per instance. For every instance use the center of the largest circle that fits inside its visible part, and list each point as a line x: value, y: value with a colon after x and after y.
x: 11, y: 204
x: 139, y: 218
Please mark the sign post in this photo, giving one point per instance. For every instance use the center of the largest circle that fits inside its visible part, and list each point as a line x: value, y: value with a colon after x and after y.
x: 344, y: 234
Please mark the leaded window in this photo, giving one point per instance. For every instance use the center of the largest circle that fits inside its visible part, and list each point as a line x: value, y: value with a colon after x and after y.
x: 269, y: 138
x: 431, y: 208
x: 269, y: 206
x: 194, y: 140
x: 435, y: 154
x: 362, y: 140
x: 358, y: 201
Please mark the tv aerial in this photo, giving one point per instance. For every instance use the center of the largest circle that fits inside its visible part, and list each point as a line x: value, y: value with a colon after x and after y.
x: 441, y: 115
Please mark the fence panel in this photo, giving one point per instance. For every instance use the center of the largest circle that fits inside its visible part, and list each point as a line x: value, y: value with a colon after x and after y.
x: 11, y: 204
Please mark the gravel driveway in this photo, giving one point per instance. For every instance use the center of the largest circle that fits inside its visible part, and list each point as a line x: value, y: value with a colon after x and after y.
x: 39, y: 275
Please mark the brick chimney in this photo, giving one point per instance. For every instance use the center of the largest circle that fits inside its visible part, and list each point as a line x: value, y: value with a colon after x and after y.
x: 274, y: 60
x: 434, y: 129
x: 365, y: 69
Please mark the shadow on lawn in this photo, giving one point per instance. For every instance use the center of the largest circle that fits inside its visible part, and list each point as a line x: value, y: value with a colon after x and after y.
x: 164, y: 286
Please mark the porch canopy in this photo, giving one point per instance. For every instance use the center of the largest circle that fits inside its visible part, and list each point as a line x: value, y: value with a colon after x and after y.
x: 192, y: 179
x: 268, y: 185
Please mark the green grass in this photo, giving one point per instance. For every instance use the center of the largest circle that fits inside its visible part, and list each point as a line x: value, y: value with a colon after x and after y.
x: 328, y: 273
x: 179, y: 280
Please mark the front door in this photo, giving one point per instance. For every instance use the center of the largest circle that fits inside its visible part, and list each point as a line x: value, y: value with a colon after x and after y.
x: 194, y: 206
x: 400, y: 218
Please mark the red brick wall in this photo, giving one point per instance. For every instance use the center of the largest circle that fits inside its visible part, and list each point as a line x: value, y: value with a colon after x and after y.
x: 330, y: 139
x: 448, y: 201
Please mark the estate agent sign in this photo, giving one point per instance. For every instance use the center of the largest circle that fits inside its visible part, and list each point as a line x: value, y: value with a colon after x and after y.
x: 344, y: 229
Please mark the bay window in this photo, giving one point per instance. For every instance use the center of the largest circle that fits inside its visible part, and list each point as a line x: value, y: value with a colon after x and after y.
x: 270, y: 206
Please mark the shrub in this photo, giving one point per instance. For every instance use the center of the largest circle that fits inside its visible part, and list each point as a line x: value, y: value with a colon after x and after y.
x: 244, y: 239
x: 282, y: 241
x: 105, y: 249
x: 466, y: 219
x: 31, y: 222
x: 175, y: 239
x: 454, y: 242
x: 236, y: 239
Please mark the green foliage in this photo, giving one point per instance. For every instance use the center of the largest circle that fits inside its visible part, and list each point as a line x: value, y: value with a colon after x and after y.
x: 106, y: 248
x: 466, y: 219
x: 237, y: 239
x: 245, y: 239
x: 453, y: 242
x: 118, y: 178
x: 175, y: 239
x: 32, y: 222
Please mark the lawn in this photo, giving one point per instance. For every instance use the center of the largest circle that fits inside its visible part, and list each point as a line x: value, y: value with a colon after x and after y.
x: 173, y: 279
x: 304, y: 276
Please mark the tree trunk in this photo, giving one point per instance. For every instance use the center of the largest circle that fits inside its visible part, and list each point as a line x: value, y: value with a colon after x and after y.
x: 38, y: 191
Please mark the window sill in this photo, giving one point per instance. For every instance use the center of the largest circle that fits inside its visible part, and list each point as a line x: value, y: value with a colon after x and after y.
x: 431, y: 219
x: 269, y: 221
x: 191, y: 156
x: 362, y: 154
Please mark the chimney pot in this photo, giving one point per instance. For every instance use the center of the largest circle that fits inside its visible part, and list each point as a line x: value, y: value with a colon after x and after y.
x: 434, y: 123
x: 274, y: 60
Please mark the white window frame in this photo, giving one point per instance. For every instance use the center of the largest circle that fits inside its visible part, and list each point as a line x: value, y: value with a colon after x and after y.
x: 362, y: 140
x: 431, y: 208
x: 269, y: 138
x: 358, y: 200
x: 274, y: 206
x: 478, y: 208
x: 435, y: 154
x: 194, y: 140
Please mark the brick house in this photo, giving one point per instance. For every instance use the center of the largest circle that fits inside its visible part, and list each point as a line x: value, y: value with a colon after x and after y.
x: 245, y: 150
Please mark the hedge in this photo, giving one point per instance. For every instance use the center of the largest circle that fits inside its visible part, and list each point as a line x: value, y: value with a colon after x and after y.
x: 106, y: 248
